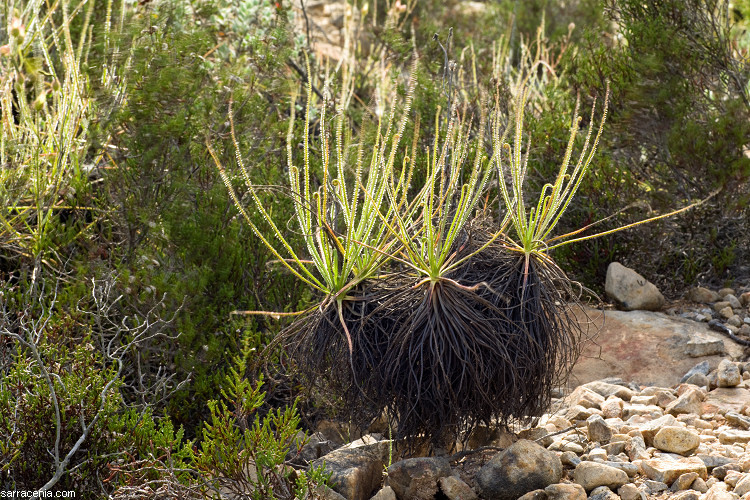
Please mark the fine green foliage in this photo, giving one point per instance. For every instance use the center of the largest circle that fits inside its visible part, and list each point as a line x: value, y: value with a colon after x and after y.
x: 679, y: 120
x: 245, y: 453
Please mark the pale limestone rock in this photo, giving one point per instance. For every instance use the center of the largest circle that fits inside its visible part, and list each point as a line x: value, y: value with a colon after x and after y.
x: 734, y: 302
x: 631, y: 290
x: 684, y: 481
x: 689, y: 402
x: 572, y: 447
x: 597, y: 455
x: 630, y: 492
x: 667, y: 470
x: 732, y: 436
x: 591, y: 475
x: 702, y: 295
x: 417, y: 478
x: 585, y: 397
x: 676, y: 439
x: 612, y: 407
x: 743, y: 485
x: 356, y: 469
x: 718, y: 306
x: 701, y: 345
x: 655, y: 486
x: 636, y: 448
x: 524, y: 466
x: 649, y: 429
x: 686, y: 495
x: 598, y: 429
x: 603, y: 493
x: 664, y: 398
x: 643, y: 400
x: 698, y: 379
x: 615, y: 448
x: 569, y: 459
x: 728, y: 374
x: 387, y: 493
x: 606, y: 389
x: 534, y: 495
x: 565, y: 491
x: 648, y: 410
x: 627, y: 467
x: 733, y: 477
x: 719, y: 492
x: 699, y: 485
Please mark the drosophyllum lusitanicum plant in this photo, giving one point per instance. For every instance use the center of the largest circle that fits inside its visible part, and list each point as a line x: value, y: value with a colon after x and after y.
x: 428, y: 311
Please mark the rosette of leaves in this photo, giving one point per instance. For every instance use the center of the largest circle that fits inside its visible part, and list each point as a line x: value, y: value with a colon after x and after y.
x: 337, y: 216
x: 541, y: 302
x: 446, y: 363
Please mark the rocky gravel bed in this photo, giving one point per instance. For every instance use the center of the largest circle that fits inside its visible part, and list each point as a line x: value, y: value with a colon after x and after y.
x: 606, y: 440
x: 726, y: 311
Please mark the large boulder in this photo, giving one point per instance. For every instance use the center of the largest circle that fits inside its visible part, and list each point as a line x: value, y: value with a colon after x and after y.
x: 630, y: 290
x: 644, y: 346
x: 523, y: 467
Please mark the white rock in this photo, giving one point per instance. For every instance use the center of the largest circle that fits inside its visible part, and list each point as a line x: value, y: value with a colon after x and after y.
x: 733, y: 301
x: 643, y: 400
x: 726, y: 312
x: 676, y: 439
x: 701, y: 345
x: 591, y: 475
x: 652, y: 411
x: 743, y: 485
x: 598, y: 430
x: 684, y: 481
x: 630, y: 492
x: 631, y: 290
x: 606, y: 389
x: 733, y: 477
x: 585, y: 397
x: 703, y: 295
x: 649, y: 429
x: 565, y: 491
x: 689, y: 402
x: 667, y: 470
x: 728, y: 374
x: 612, y: 407
x: 603, y: 493
x: 597, y: 454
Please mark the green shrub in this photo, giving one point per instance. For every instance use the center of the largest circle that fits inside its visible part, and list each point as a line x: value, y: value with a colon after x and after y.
x: 245, y: 454
x: 58, y: 397
x: 679, y: 128
x: 47, y: 113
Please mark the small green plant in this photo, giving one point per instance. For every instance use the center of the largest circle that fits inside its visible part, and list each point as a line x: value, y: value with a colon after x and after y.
x: 244, y: 452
